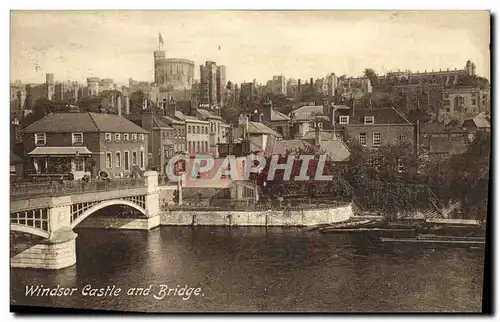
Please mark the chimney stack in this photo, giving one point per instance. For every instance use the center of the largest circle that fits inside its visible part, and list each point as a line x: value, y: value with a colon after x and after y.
x: 316, y: 135
x: 127, y: 105
x: 119, y: 105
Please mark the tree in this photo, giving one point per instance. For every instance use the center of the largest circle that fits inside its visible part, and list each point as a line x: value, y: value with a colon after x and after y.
x: 293, y: 187
x: 372, y: 76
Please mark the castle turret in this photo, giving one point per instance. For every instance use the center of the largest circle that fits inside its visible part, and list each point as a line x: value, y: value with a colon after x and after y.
x: 468, y: 68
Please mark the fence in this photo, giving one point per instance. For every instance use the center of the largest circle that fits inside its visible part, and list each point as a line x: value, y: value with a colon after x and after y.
x: 163, y: 180
x: 250, y: 205
x: 54, y: 189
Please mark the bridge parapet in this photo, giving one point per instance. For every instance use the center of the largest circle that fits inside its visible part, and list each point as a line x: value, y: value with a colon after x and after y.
x: 52, y: 213
x: 19, y: 191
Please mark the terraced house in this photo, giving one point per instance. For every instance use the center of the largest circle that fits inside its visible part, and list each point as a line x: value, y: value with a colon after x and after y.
x: 81, y: 144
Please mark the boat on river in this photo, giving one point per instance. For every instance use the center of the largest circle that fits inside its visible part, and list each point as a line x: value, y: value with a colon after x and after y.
x: 437, y: 240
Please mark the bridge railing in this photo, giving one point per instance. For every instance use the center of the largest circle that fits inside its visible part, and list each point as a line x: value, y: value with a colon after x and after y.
x: 250, y: 205
x: 26, y: 190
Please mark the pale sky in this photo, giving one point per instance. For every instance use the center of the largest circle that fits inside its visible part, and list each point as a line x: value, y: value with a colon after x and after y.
x: 75, y: 45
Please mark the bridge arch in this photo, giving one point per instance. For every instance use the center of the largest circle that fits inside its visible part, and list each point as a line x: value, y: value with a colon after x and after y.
x: 29, y: 230
x: 104, y: 204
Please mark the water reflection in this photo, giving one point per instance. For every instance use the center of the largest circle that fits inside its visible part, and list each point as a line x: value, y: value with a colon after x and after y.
x: 263, y: 269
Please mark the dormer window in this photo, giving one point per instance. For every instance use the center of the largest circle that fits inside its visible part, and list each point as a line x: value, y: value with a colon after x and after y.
x: 117, y: 137
x: 40, y: 139
x: 77, y: 138
x: 107, y: 137
x: 369, y: 120
x: 344, y: 119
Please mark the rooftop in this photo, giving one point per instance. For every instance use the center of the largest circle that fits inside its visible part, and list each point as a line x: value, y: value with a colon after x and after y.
x: 83, y: 122
x: 382, y: 115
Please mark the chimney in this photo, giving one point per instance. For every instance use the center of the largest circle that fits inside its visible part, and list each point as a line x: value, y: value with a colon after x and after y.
x: 119, y: 105
x: 127, y: 105
x: 316, y: 135
x: 267, y: 109
x: 312, y: 83
x: 298, y: 85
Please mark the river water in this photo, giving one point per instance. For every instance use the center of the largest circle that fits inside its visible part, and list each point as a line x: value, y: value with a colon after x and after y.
x: 258, y: 269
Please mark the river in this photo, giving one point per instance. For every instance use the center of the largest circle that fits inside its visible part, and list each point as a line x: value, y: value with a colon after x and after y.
x: 258, y: 269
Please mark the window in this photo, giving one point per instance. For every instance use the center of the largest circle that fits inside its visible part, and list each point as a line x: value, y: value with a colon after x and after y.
x: 189, y: 146
x: 362, y: 139
x: 189, y: 128
x: 141, y: 159
x: 117, y: 137
x: 107, y: 137
x: 141, y: 137
x: 401, y: 167
x: 79, y: 165
x: 279, y: 129
x: 134, y: 137
x: 369, y: 119
x: 118, y: 159
x: 376, y: 139
x: 344, y: 119
x: 125, y: 137
x: 197, y: 146
x: 446, y: 102
x: 13, y: 170
x: 126, y: 160
x: 109, y: 159
x: 134, y: 158
x: 403, y: 138
x: 218, y: 128
x: 473, y: 101
x: 40, y: 139
x: 206, y: 146
x: 212, y: 128
x: 77, y: 138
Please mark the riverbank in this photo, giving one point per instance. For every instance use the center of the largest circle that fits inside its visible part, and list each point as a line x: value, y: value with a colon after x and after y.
x: 269, y: 218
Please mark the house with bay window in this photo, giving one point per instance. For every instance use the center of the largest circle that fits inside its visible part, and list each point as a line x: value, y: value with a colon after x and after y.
x: 78, y: 144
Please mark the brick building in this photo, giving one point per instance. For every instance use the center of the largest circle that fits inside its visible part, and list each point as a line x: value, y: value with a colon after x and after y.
x: 85, y: 143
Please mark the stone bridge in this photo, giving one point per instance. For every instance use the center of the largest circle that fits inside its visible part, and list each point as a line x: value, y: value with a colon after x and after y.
x: 49, y: 220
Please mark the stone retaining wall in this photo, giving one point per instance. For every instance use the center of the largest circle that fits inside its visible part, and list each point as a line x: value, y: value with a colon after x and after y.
x: 308, y: 217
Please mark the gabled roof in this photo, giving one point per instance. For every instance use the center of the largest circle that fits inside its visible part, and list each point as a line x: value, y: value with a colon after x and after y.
x: 306, y: 113
x: 278, y: 116
x: 261, y: 128
x: 335, y: 150
x: 206, y: 114
x: 83, y: 122
x: 289, y: 145
x: 159, y: 122
x: 171, y: 120
x: 481, y: 121
x: 184, y: 117
x: 382, y: 115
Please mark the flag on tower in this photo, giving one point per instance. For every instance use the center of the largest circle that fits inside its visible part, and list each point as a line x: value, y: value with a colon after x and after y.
x: 160, y: 39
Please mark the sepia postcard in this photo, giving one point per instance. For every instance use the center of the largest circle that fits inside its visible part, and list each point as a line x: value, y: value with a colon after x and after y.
x: 249, y: 161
